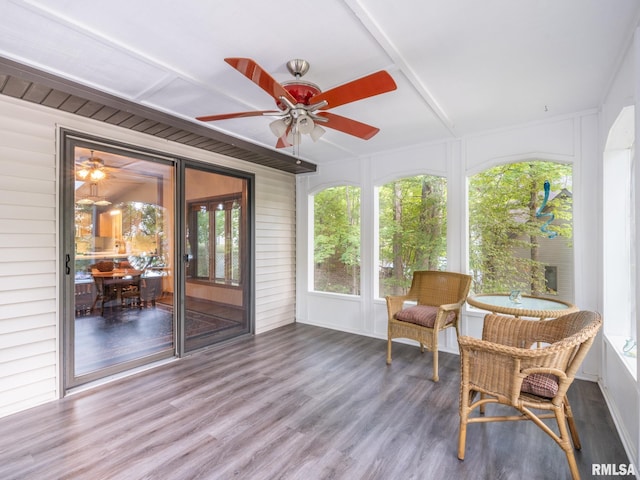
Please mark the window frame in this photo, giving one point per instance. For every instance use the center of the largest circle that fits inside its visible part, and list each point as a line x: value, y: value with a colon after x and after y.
x: 376, y: 227
x: 229, y: 203
x: 312, y: 240
x: 562, y: 270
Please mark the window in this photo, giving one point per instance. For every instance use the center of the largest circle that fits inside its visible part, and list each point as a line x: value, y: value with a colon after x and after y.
x: 214, y: 231
x: 520, y: 229
x: 412, y: 230
x: 336, y: 240
x: 619, y: 240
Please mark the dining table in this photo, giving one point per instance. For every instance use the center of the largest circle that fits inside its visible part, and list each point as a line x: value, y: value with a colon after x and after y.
x: 110, y: 284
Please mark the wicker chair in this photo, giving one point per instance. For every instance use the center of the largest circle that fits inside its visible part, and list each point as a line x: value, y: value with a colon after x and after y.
x: 439, y: 297
x: 504, y: 368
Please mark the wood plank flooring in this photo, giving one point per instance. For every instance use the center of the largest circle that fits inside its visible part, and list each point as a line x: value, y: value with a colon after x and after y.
x: 298, y: 402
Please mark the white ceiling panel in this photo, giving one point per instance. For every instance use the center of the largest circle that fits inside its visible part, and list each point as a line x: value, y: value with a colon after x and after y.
x: 461, y: 66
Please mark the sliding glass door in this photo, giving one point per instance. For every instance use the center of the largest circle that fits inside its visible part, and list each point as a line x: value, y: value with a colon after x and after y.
x: 127, y: 215
x: 217, y: 260
x: 119, y: 259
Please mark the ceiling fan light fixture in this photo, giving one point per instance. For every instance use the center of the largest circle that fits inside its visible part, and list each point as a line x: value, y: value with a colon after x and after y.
x: 316, y: 133
x: 305, y: 125
x: 278, y: 127
x: 97, y: 174
x: 92, y: 169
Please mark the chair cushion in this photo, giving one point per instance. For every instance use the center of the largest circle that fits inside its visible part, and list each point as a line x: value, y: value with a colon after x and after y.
x: 540, y: 384
x: 424, y: 315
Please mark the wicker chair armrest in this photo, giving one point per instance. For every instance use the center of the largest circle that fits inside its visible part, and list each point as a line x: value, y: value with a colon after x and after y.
x: 395, y: 303
x: 553, y: 371
x: 450, y: 307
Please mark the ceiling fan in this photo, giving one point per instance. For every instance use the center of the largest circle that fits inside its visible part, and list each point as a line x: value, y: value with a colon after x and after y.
x: 301, y: 104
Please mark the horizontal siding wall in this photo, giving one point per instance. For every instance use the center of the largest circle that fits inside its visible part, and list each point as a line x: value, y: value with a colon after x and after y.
x: 30, y: 321
x: 275, y: 252
x: 28, y: 291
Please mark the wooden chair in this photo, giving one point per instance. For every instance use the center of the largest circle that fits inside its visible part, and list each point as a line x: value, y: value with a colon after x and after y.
x: 130, y: 293
x: 504, y: 368
x: 439, y: 297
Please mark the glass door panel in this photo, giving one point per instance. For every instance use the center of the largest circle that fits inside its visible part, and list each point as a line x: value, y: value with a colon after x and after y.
x: 123, y: 262
x: 217, y: 248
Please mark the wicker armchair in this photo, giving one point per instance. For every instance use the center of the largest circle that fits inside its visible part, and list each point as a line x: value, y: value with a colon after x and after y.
x: 504, y: 368
x: 439, y: 297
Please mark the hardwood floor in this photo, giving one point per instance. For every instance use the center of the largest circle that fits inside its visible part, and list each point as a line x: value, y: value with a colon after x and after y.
x: 299, y: 402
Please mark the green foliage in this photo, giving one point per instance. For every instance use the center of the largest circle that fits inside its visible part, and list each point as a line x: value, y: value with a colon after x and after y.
x: 504, y: 230
x: 413, y: 226
x: 337, y: 240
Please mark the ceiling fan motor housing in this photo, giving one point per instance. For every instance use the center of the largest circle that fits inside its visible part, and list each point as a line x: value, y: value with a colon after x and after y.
x: 301, y: 91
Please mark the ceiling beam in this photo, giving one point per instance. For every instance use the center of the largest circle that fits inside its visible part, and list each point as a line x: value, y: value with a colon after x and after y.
x: 392, y: 51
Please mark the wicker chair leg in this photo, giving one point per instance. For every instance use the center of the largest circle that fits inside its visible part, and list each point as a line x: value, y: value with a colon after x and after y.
x: 462, y: 437
x: 465, y: 401
x: 572, y: 425
x: 389, y: 350
x: 565, y: 444
x: 435, y: 365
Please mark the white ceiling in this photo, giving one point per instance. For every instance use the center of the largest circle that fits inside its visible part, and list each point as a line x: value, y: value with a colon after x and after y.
x: 461, y: 66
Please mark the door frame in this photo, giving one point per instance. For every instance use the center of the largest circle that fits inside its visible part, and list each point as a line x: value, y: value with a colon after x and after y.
x: 249, y: 268
x: 68, y: 139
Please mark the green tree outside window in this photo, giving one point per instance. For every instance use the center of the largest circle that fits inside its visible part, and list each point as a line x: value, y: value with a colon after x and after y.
x: 412, y: 230
x: 507, y: 238
x: 337, y: 240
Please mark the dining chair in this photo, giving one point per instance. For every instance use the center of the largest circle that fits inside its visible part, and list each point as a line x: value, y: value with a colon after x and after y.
x: 131, y: 290
x: 438, y: 298
x: 528, y: 365
x: 106, y: 291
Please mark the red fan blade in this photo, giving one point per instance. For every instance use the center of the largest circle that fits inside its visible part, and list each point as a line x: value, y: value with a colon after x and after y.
x: 250, y: 69
x: 347, y: 125
x: 224, y: 116
x: 282, y: 141
x: 374, y: 84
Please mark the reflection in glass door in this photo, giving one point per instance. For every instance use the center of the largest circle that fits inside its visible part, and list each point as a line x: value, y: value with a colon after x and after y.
x: 217, y: 239
x: 121, y: 261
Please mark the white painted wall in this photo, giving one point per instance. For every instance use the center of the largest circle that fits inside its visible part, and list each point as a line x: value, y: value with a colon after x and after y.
x: 621, y: 389
x: 30, y: 323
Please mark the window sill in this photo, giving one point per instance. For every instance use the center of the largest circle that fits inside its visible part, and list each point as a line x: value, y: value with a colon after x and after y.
x: 617, y: 343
